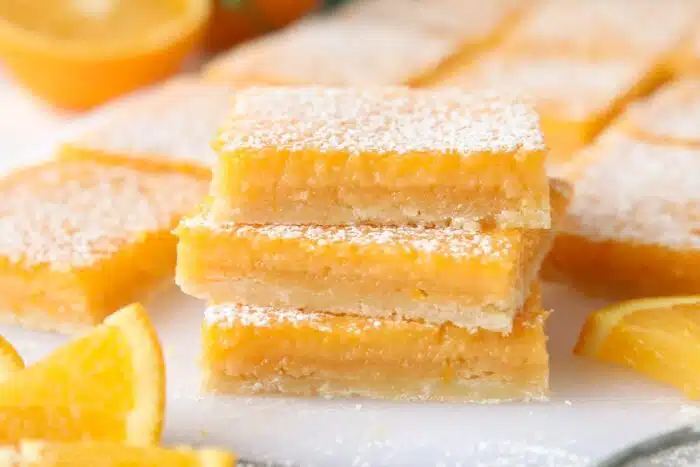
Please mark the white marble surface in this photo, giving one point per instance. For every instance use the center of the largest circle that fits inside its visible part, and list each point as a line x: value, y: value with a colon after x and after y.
x: 595, y: 408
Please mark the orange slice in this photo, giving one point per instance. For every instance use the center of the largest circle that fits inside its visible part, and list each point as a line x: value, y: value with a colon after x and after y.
x: 89, y: 454
x: 10, y: 361
x: 79, y: 53
x: 106, y: 385
x: 659, y: 337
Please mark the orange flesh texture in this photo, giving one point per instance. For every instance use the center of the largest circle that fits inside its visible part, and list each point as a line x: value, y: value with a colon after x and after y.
x: 99, y: 22
x: 88, y: 388
x: 106, y: 454
x: 657, y: 337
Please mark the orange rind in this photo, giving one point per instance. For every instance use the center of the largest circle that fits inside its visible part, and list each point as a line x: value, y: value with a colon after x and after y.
x: 108, y: 385
x: 105, y: 454
x: 76, y: 55
x: 659, y: 337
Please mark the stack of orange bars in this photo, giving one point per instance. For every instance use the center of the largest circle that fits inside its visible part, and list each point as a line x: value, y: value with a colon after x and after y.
x: 381, y: 243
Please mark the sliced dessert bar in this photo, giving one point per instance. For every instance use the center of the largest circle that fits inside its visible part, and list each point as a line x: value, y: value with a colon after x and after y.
x: 598, y: 28
x: 258, y: 350
x: 633, y: 226
x: 80, y: 239
x: 433, y: 274
x: 389, y: 156
x: 170, y: 126
x: 473, y: 25
x: 575, y: 97
x: 334, y: 53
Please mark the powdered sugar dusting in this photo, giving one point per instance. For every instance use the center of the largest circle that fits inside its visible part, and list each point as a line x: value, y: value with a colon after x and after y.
x: 466, y: 20
x: 569, y: 87
x: 672, y: 113
x: 379, y: 120
x: 639, y: 192
x: 447, y: 241
x: 69, y: 215
x: 257, y: 316
x: 339, y: 53
x: 177, y: 121
x: 651, y: 26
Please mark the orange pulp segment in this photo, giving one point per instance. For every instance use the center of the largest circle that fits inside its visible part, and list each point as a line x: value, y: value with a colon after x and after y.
x: 107, y: 385
x: 10, y: 360
x: 105, y: 454
x: 77, y: 54
x: 659, y: 337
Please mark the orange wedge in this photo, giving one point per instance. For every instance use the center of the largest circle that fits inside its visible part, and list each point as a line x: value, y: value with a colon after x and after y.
x: 108, y: 385
x: 91, y: 454
x: 79, y: 53
x: 659, y: 337
x: 10, y: 361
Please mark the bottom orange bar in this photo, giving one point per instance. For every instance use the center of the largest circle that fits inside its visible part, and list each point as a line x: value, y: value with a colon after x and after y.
x: 260, y: 350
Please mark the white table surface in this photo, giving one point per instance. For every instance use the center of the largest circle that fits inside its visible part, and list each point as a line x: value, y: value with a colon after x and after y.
x: 595, y: 408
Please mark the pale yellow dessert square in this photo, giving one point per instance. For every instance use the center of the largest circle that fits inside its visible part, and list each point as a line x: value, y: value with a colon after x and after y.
x: 260, y: 350
x: 80, y: 239
x: 389, y: 156
x: 575, y: 97
x: 171, y: 125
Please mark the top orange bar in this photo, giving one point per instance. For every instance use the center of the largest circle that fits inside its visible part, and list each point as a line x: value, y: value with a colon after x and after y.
x: 384, y: 156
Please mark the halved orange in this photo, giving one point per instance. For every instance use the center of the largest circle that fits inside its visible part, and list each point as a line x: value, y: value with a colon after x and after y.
x: 659, y: 337
x: 76, y: 54
x: 91, y: 454
x: 108, y: 385
x: 10, y: 361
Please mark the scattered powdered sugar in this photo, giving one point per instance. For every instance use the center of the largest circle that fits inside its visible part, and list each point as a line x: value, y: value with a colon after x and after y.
x: 575, y: 88
x: 70, y: 215
x: 523, y: 454
x: 651, y: 26
x: 640, y: 192
x: 176, y: 121
x: 448, y: 241
x: 379, y: 120
x: 673, y: 112
x: 339, y: 53
x: 689, y: 413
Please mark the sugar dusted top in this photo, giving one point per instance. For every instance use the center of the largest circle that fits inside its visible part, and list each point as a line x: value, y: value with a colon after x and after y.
x: 258, y: 316
x: 336, y: 53
x: 612, y: 25
x: 68, y: 215
x: 475, y: 21
x: 442, y: 241
x: 639, y: 192
x: 178, y: 121
x: 571, y: 88
x: 672, y: 113
x: 232, y: 315
x: 379, y: 120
